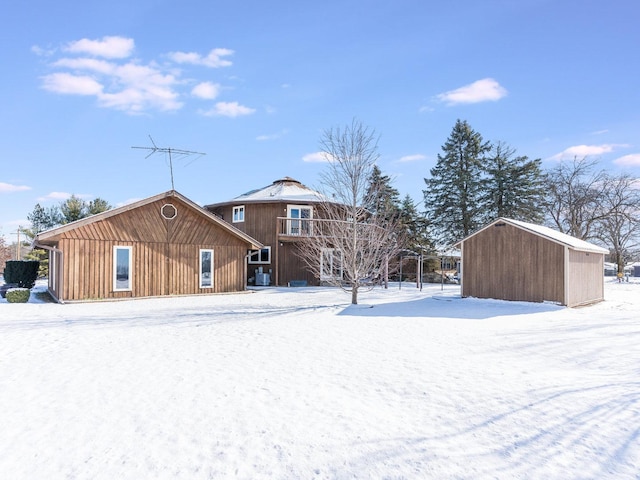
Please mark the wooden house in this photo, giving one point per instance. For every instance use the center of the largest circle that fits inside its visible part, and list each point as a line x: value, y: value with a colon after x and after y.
x: 279, y: 216
x: 163, y: 245
x: 514, y: 260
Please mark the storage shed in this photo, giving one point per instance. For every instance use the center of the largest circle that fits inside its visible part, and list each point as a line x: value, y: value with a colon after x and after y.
x: 514, y: 260
x: 163, y: 245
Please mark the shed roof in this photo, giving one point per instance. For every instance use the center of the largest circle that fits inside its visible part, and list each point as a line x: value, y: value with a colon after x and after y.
x: 284, y: 189
x: 553, y: 235
x: 51, y: 235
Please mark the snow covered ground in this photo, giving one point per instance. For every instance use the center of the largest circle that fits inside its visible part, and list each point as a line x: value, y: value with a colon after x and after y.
x: 296, y: 383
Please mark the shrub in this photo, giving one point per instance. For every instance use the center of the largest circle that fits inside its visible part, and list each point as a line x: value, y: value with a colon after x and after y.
x: 18, y: 295
x: 21, y: 272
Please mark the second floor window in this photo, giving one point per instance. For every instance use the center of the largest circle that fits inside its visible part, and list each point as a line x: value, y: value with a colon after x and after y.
x: 238, y: 214
x: 298, y: 222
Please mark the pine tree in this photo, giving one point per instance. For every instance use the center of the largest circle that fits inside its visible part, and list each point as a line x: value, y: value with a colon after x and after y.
x: 72, y: 209
x: 381, y: 197
x: 416, y: 231
x: 513, y: 186
x: 97, y: 205
x: 453, y: 194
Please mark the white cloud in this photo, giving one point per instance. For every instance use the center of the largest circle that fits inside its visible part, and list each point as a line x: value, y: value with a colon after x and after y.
x: 484, y: 90
x: 599, y: 132
x: 92, y: 64
x: 316, y: 157
x: 9, y: 188
x: 131, y: 85
x: 69, y: 84
x: 107, y: 47
x: 585, y: 151
x: 632, y: 160
x: 412, y: 158
x: 206, y: 90
x: 213, y: 59
x: 228, y: 109
x: 272, y: 136
x: 55, y: 196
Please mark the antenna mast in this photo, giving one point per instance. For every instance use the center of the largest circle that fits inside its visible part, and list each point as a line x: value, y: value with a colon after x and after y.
x: 169, y: 151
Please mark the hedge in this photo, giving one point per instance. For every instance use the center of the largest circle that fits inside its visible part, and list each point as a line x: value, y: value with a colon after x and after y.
x: 21, y: 272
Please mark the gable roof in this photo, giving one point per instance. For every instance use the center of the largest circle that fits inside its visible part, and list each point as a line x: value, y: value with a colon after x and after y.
x: 54, y: 232
x: 284, y: 189
x: 546, y: 232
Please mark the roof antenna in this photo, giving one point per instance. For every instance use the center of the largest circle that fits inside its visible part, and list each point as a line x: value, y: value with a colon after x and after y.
x: 170, y: 151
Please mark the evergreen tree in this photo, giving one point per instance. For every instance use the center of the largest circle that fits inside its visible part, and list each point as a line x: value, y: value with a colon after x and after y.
x: 416, y: 231
x: 97, y: 205
x: 513, y: 186
x: 72, y: 209
x: 453, y: 195
x: 381, y: 197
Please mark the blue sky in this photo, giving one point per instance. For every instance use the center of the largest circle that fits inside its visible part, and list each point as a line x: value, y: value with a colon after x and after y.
x: 254, y: 84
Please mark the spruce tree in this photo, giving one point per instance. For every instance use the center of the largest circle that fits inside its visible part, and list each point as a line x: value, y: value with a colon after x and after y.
x: 454, y: 191
x: 381, y: 197
x: 416, y: 232
x: 513, y: 186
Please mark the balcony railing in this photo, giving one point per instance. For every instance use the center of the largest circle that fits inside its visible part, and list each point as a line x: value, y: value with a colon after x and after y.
x: 296, y: 227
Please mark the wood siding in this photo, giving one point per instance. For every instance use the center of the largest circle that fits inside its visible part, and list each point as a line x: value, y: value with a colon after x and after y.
x: 261, y: 223
x: 586, y: 284
x: 506, y: 262
x: 165, y: 254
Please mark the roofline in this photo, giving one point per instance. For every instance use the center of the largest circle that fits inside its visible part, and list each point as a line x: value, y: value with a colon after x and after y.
x: 595, y: 249
x: 42, y: 236
x: 241, y: 201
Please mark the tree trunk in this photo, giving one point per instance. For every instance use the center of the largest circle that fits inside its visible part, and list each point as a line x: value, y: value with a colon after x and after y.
x: 354, y: 295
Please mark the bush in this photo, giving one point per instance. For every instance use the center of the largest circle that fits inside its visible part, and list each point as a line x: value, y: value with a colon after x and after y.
x: 18, y: 295
x: 21, y: 272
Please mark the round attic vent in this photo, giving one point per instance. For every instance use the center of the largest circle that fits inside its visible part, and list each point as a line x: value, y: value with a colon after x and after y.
x: 168, y: 211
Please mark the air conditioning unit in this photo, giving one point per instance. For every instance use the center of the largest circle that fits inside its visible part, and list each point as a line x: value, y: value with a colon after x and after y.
x: 263, y: 279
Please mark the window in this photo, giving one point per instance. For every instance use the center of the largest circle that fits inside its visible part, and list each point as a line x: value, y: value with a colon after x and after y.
x: 298, y: 220
x: 121, y: 268
x: 206, y: 268
x: 238, y: 214
x: 260, y: 256
x: 331, y: 264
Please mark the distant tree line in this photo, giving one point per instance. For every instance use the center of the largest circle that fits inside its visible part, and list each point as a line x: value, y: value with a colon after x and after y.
x: 67, y: 211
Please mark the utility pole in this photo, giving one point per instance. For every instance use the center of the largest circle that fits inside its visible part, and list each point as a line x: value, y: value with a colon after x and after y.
x: 17, y: 232
x: 170, y: 151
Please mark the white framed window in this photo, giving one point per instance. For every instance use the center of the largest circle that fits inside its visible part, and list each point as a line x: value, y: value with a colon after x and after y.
x: 238, y: 214
x: 331, y: 264
x: 53, y: 270
x: 298, y: 219
x: 206, y: 268
x: 122, y: 273
x: 260, y: 256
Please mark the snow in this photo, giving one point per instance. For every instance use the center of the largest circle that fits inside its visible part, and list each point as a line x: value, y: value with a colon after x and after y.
x: 296, y: 383
x: 563, y: 238
x: 286, y: 189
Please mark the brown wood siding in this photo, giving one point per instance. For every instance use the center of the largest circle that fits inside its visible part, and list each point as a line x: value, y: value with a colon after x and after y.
x: 586, y: 278
x: 165, y: 254
x: 261, y: 223
x: 506, y: 262
x: 292, y: 267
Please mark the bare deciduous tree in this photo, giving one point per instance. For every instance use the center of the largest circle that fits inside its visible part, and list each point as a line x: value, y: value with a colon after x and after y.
x: 620, y: 227
x: 349, y: 245
x: 574, y: 199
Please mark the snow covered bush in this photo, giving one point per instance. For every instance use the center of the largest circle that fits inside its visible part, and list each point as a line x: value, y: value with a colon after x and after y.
x: 18, y: 295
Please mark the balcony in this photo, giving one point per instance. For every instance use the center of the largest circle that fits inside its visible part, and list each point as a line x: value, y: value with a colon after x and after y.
x: 292, y: 229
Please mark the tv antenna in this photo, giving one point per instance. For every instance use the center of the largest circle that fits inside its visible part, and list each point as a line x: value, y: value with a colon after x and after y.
x: 170, y: 152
